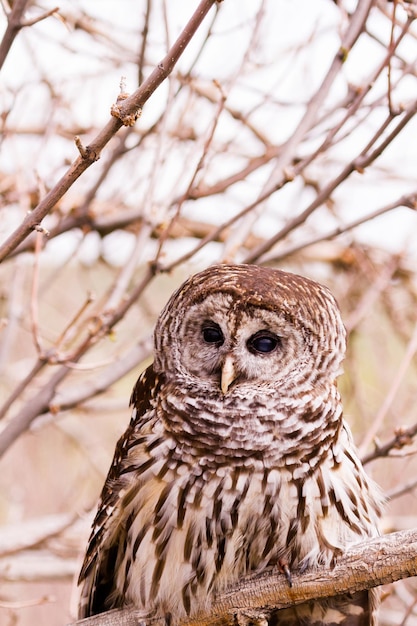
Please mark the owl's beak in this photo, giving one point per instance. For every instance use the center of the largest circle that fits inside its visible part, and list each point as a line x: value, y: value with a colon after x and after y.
x: 228, y: 374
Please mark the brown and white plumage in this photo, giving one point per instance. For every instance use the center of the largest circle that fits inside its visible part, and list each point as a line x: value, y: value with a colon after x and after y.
x: 236, y: 457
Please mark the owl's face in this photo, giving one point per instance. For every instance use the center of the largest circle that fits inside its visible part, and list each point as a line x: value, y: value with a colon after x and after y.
x: 228, y: 344
x: 240, y: 328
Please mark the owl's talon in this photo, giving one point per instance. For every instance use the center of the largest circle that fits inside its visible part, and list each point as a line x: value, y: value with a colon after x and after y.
x: 283, y: 566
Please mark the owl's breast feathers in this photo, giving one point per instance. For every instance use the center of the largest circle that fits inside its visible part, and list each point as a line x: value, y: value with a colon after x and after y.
x: 180, y: 517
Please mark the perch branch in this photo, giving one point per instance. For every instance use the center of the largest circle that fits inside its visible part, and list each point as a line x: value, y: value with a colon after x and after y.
x: 369, y: 564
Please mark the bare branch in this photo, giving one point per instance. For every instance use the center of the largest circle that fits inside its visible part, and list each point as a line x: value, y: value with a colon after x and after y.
x: 402, y: 437
x: 126, y: 110
x: 14, y: 24
x: 392, y: 392
x: 363, y: 566
x: 409, y: 201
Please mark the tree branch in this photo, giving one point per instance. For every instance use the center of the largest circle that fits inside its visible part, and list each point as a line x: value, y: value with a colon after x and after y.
x: 14, y: 24
x: 369, y: 564
x: 124, y: 112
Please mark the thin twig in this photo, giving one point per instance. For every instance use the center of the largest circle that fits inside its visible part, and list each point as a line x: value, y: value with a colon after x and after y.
x: 379, y: 284
x: 409, y: 200
x: 402, y: 437
x: 167, y: 231
x: 392, y: 392
x: 34, y: 299
x: 144, y: 42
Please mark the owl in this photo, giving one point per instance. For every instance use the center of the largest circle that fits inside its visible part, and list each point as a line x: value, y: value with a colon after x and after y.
x: 236, y: 458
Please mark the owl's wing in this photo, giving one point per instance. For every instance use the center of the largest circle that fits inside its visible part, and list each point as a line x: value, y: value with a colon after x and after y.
x: 107, y: 535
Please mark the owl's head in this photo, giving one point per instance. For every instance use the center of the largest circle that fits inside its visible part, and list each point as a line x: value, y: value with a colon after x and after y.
x: 242, y: 328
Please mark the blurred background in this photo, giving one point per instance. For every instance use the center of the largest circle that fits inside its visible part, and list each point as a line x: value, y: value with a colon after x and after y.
x: 285, y: 136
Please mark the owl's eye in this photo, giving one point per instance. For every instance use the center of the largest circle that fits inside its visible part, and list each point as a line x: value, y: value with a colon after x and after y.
x: 263, y: 342
x: 212, y: 334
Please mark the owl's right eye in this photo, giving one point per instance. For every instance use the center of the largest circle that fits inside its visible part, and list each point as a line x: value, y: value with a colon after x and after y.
x: 212, y: 334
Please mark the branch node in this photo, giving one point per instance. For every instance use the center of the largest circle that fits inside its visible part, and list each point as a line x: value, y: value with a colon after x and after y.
x: 343, y: 54
x: 41, y: 229
x: 85, y: 151
x: 127, y: 119
x: 116, y: 110
x: 289, y: 174
x: 40, y: 18
x: 403, y: 437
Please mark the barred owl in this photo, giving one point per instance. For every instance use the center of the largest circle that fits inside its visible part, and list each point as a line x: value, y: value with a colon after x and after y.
x: 237, y: 457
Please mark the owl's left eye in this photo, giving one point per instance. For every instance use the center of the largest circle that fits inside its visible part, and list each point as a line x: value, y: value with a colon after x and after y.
x: 212, y: 334
x: 263, y: 342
